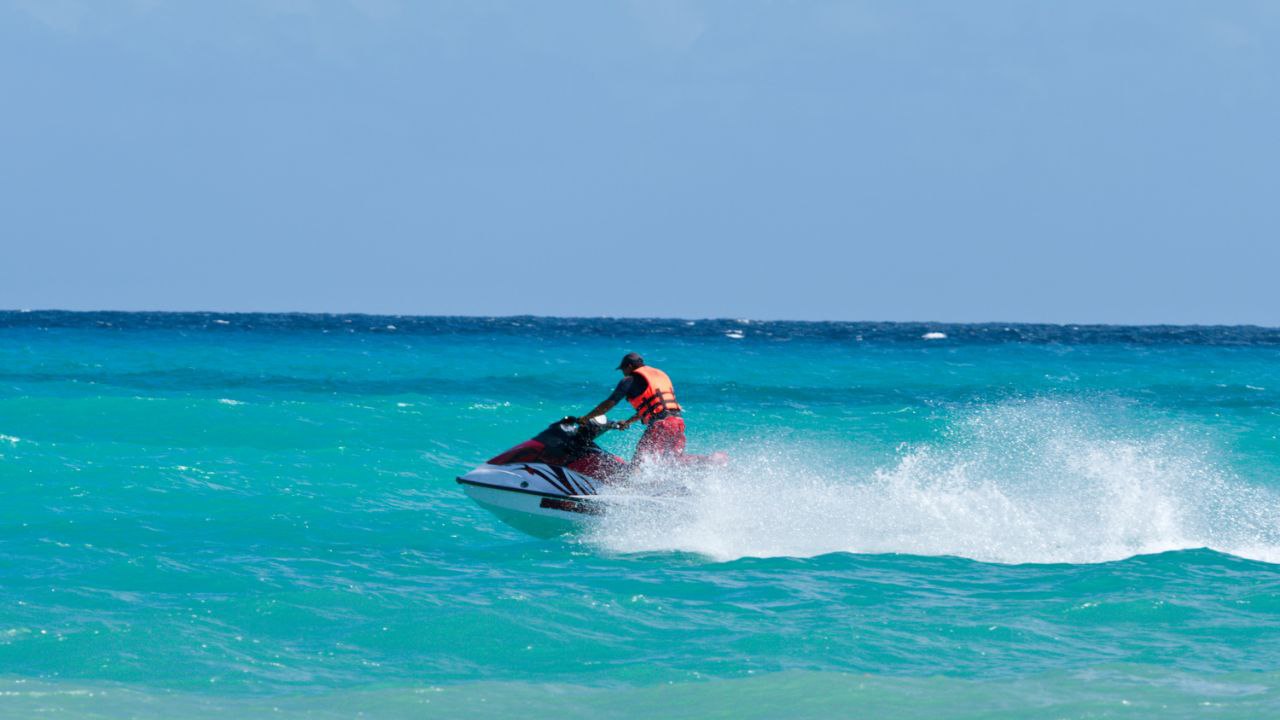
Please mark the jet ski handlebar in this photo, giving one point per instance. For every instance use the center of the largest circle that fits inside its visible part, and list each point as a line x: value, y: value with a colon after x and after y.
x: 598, y: 427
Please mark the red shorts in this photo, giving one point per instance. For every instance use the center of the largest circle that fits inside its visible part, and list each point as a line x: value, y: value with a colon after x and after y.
x: 662, y: 438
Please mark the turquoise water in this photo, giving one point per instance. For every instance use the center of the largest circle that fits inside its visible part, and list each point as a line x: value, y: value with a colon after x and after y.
x: 205, y: 514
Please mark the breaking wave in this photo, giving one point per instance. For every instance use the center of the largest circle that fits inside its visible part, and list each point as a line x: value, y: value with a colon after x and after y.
x: 1022, y: 482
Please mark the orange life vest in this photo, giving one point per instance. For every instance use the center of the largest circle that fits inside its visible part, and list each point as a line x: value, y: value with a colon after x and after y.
x: 656, y: 399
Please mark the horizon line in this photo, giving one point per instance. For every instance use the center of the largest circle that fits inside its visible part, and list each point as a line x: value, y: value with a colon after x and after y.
x: 743, y: 320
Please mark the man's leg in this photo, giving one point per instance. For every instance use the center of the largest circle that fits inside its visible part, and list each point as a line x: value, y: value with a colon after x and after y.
x: 675, y: 441
x: 662, y: 438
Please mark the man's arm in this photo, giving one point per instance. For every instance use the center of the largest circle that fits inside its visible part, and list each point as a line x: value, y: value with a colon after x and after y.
x: 618, y: 393
x: 603, y: 408
x: 600, y: 409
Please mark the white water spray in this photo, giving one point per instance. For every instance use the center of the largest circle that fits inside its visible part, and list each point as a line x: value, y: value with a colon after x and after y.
x: 1028, y: 482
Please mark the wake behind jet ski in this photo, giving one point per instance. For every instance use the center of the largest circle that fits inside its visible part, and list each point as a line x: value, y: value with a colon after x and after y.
x: 551, y: 485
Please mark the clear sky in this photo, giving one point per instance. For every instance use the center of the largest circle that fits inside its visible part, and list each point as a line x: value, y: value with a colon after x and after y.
x: 900, y: 160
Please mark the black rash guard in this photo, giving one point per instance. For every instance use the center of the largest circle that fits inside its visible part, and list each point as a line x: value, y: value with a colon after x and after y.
x: 630, y: 387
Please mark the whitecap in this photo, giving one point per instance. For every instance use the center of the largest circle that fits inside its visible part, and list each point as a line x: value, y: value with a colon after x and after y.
x: 734, y: 335
x: 220, y: 321
x: 10, y: 439
x: 934, y: 336
x: 229, y: 401
x: 489, y: 406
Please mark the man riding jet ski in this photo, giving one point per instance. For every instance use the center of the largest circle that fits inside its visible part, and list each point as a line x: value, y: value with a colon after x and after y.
x: 550, y: 485
x: 651, y: 393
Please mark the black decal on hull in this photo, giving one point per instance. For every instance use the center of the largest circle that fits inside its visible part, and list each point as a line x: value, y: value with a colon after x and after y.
x: 555, y: 483
x: 569, y: 506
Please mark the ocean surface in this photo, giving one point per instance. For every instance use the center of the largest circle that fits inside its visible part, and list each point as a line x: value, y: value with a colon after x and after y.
x: 207, y: 514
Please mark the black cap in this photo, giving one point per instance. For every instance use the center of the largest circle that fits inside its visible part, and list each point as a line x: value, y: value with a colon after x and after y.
x: 632, y: 360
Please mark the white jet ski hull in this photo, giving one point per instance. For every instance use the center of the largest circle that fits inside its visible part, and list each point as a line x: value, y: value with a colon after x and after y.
x: 541, y: 500
x: 548, y: 501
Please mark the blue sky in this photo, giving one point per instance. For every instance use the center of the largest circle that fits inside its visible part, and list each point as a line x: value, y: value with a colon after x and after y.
x: 958, y: 161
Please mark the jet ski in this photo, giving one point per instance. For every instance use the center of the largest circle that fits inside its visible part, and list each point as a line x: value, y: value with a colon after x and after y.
x: 552, y: 484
